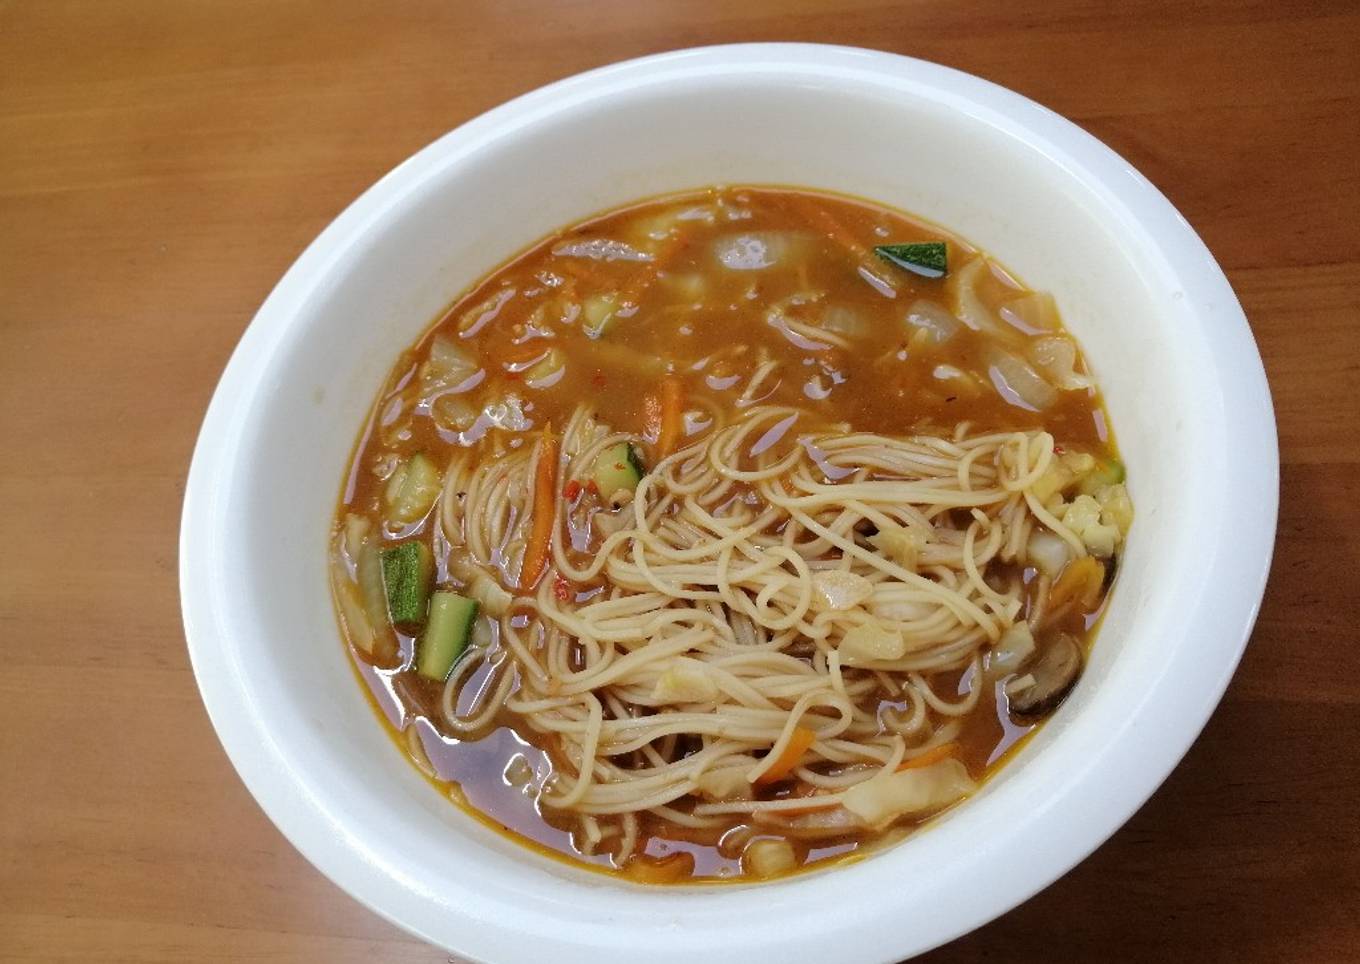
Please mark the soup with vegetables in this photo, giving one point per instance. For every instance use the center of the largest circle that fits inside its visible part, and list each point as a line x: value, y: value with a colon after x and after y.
x: 729, y: 533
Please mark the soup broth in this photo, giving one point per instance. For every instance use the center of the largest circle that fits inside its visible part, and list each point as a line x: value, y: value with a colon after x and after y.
x: 595, y: 524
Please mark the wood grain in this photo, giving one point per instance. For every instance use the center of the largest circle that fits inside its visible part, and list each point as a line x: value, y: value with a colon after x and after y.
x: 161, y: 163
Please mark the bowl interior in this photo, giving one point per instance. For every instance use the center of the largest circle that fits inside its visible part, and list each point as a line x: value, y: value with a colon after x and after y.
x: 921, y: 140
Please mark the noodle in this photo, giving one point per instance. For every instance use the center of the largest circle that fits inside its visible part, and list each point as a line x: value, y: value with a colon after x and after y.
x: 712, y: 646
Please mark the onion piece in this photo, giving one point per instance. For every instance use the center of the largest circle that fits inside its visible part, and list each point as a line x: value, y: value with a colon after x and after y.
x: 725, y: 784
x: 900, y: 610
x: 484, y: 312
x: 768, y: 857
x: 371, y: 605
x: 487, y: 591
x: 508, y: 414
x: 1056, y: 356
x: 936, y: 324
x: 452, y: 413
x: 483, y: 632
x: 448, y: 362
x: 1047, y: 552
x: 518, y: 772
x: 605, y: 523
x: 1115, y: 508
x: 819, y: 824
x: 690, y: 286
x: 412, y: 489
x: 1033, y: 313
x: 1015, y: 646
x: 844, y: 320
x: 841, y: 590
x: 354, y: 616
x: 600, y: 249
x: 355, y: 531
x: 1083, y: 517
x: 547, y: 371
x: 969, y: 307
x: 871, y: 642
x: 900, y: 544
x: 1017, y: 382
x: 757, y: 250
x: 648, y: 232
x: 1057, y: 477
x: 917, y: 792
x: 685, y: 681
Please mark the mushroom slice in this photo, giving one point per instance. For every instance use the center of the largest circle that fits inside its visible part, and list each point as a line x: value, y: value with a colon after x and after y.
x: 1047, y: 680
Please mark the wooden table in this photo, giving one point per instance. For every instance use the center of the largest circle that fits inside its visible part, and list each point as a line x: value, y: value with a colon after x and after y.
x: 161, y: 164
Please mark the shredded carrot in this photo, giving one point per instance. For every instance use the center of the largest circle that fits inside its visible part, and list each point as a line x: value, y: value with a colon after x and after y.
x: 934, y: 755
x: 672, y: 415
x: 561, y: 589
x: 1080, y: 582
x: 801, y: 739
x: 545, y: 510
x: 572, y: 490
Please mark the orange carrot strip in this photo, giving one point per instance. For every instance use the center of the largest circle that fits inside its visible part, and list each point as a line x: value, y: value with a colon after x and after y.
x: 545, y: 511
x: 801, y: 739
x: 1081, y: 582
x: 934, y: 755
x: 672, y: 415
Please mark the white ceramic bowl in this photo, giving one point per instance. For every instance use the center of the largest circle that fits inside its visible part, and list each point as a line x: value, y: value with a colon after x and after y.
x: 1181, y: 376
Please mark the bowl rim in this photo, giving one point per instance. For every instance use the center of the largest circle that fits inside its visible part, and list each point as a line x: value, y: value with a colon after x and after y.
x: 1251, y: 504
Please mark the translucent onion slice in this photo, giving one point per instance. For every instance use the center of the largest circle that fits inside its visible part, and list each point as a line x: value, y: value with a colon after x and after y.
x: 844, y: 320
x: 881, y: 799
x: 1056, y: 356
x: 1033, y: 313
x: 970, y: 308
x: 768, y: 857
x: 1015, y: 646
x: 758, y: 250
x: 1016, y: 380
x: 600, y: 249
x: 937, y: 324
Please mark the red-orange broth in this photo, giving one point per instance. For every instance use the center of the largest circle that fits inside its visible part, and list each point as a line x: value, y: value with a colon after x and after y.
x: 682, y: 313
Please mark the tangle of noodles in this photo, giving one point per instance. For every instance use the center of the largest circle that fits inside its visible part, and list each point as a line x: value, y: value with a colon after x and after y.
x: 707, y: 641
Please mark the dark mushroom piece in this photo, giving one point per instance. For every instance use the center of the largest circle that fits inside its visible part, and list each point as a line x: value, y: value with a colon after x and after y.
x: 864, y: 530
x: 1047, y: 680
